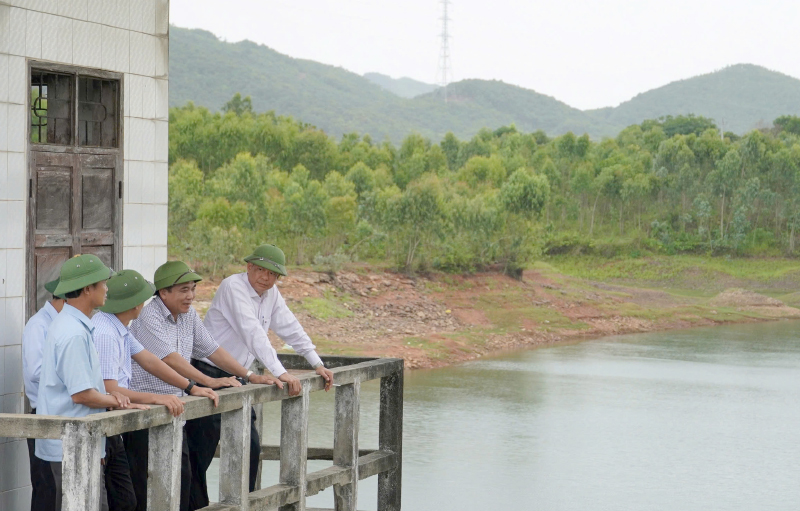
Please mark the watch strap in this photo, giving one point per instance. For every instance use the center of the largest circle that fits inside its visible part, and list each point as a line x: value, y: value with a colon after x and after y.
x: 190, y: 386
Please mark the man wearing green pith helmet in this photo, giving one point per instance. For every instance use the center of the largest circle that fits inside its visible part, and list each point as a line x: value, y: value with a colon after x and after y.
x: 245, y: 307
x: 170, y: 328
x: 117, y: 349
x: 71, y: 383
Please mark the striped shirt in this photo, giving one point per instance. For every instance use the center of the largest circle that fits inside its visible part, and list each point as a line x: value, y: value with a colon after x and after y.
x: 115, y: 346
x: 161, y: 335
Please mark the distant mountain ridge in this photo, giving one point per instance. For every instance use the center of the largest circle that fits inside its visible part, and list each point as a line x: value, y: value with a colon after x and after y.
x: 403, y: 87
x: 209, y: 72
x: 739, y: 98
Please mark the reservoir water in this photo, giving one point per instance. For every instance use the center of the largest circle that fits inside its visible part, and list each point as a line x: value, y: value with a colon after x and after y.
x: 702, y: 419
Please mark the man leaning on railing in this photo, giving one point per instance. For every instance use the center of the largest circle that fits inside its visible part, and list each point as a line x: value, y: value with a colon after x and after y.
x: 117, y: 348
x: 71, y: 383
x: 245, y: 307
x: 170, y: 328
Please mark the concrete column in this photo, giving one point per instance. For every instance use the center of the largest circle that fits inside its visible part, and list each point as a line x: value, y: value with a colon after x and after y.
x: 81, y: 469
x: 345, y: 444
x: 294, y: 445
x: 390, y: 438
x: 234, y: 456
x: 258, y: 368
x: 164, y: 466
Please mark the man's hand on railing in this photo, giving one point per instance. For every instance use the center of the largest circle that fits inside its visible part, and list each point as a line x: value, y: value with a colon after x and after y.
x: 293, y: 382
x: 123, y: 401
x: 327, y: 375
x: 205, y: 392
x: 265, y: 379
x: 173, y: 404
x: 221, y: 383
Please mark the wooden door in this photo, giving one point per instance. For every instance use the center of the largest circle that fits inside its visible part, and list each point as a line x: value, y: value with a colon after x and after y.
x: 75, y: 171
x: 75, y: 207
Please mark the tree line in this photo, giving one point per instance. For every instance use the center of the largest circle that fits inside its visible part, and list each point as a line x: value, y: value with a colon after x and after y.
x: 675, y: 184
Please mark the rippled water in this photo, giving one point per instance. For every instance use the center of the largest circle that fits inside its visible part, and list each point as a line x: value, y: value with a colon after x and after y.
x: 703, y: 419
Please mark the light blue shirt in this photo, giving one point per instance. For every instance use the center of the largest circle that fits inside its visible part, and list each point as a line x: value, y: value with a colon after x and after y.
x: 32, y: 343
x: 115, y: 347
x: 69, y: 365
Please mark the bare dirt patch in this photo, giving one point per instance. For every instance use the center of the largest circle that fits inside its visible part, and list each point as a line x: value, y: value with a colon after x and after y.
x: 438, y: 320
x: 746, y: 300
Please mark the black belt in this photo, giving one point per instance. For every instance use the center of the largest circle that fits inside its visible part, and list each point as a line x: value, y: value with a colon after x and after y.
x: 213, y: 371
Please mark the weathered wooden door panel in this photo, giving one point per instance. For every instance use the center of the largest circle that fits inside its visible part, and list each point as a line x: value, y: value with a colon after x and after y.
x: 75, y: 171
x: 74, y: 208
x: 48, y: 265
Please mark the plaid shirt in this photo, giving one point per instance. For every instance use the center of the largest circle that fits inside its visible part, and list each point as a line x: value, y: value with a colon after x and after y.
x: 161, y: 335
x: 115, y: 346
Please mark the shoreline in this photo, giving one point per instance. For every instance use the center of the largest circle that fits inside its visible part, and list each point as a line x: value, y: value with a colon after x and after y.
x: 437, y: 320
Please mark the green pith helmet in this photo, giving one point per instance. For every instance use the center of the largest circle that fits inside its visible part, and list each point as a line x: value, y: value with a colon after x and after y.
x: 269, y: 257
x: 174, y: 272
x: 51, y: 286
x: 81, y: 271
x: 126, y: 290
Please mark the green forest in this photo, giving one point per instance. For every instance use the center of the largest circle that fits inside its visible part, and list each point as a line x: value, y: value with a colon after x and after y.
x: 209, y: 71
x: 497, y: 200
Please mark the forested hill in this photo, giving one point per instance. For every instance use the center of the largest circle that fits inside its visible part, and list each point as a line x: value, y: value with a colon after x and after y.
x: 739, y: 98
x: 209, y: 72
x: 403, y: 87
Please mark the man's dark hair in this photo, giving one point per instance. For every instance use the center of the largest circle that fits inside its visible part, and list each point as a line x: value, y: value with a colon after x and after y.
x: 73, y: 294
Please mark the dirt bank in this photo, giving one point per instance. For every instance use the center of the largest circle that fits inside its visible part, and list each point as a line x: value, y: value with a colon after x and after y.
x: 437, y: 320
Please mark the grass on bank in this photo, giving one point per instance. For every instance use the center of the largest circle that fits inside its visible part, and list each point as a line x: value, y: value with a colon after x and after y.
x: 683, y: 274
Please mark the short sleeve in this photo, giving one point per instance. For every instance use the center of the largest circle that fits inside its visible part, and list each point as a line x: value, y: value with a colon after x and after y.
x: 135, y: 346
x: 204, y: 344
x: 73, y: 364
x: 109, y: 352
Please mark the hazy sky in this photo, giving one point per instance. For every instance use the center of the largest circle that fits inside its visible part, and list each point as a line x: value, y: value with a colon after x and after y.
x: 587, y: 53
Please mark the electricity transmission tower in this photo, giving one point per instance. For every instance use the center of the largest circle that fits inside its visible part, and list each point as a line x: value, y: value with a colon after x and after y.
x: 444, y: 73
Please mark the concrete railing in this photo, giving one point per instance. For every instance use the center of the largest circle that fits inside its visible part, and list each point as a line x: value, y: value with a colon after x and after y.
x: 83, y: 442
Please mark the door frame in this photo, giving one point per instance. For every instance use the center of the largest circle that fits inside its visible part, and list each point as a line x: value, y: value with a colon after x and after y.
x: 119, y: 173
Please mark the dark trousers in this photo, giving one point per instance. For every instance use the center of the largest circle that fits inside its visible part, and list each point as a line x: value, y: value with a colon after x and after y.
x: 136, y: 445
x: 43, y: 486
x: 203, y: 437
x: 119, y: 486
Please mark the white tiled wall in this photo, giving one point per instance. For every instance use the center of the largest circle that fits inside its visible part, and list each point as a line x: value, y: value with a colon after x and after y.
x: 126, y: 36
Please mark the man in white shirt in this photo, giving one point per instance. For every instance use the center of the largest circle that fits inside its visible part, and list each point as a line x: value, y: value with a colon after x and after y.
x: 244, y: 308
x: 43, y: 496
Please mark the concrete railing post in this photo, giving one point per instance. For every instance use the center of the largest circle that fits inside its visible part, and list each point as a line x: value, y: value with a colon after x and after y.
x: 345, y: 444
x: 294, y: 445
x: 234, y: 462
x: 258, y: 368
x: 81, y: 467
x: 164, y: 466
x: 390, y: 438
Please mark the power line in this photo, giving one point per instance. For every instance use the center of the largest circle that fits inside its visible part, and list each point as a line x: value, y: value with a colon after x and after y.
x: 444, y: 73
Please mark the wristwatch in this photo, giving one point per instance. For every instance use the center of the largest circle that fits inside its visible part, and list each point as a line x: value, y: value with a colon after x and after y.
x: 247, y: 376
x: 319, y: 364
x: 190, y: 386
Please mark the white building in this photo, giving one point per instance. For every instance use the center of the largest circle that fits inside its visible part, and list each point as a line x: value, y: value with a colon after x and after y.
x: 83, y: 162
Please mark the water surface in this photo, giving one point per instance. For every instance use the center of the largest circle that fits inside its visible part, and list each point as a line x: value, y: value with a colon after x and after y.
x: 702, y: 419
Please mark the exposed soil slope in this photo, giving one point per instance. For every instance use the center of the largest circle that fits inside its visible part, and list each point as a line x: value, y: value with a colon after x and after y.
x: 438, y: 320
